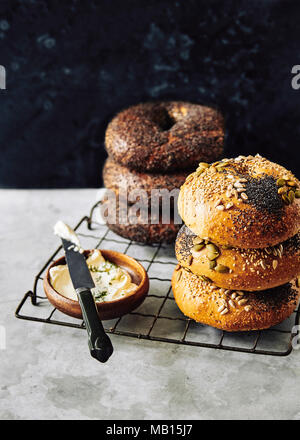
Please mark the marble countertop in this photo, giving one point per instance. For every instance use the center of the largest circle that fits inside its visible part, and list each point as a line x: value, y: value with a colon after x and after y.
x: 46, y: 371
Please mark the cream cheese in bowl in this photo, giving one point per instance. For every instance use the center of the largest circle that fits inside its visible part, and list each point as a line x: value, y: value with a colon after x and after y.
x: 111, y: 281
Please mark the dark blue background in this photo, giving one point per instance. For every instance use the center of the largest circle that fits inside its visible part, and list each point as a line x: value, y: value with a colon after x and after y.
x: 72, y: 65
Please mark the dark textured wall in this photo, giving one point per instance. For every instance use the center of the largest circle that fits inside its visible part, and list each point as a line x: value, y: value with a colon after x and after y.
x: 72, y: 65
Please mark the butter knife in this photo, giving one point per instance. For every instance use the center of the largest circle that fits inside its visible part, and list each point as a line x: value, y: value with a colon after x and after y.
x: 99, y: 343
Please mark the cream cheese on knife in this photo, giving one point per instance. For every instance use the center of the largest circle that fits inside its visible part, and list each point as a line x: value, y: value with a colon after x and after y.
x: 63, y: 230
x: 111, y: 281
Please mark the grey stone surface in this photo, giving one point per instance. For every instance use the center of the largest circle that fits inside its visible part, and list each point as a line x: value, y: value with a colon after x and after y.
x: 47, y: 373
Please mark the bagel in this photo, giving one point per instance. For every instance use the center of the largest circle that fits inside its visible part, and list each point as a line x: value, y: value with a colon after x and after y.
x: 118, y: 177
x: 146, y: 229
x: 246, y: 202
x: 230, y: 310
x: 242, y: 269
x: 165, y: 136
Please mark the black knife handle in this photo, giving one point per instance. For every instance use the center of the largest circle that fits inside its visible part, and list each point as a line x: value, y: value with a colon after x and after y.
x: 99, y: 343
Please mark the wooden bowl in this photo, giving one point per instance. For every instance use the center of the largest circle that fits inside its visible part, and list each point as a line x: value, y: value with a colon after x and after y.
x: 108, y: 309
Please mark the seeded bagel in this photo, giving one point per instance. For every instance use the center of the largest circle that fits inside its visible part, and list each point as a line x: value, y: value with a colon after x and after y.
x: 142, y: 230
x: 118, y: 177
x: 231, y: 310
x: 246, y: 202
x: 165, y: 136
x: 242, y: 269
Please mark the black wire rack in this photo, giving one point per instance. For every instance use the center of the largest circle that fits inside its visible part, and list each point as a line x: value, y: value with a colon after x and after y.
x: 158, y: 318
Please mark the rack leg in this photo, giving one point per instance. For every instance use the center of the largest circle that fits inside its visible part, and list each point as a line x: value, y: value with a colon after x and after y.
x: 29, y: 293
x: 90, y: 217
x: 33, y: 299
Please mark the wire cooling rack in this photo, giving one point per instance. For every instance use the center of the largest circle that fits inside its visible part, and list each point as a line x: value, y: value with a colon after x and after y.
x: 158, y: 318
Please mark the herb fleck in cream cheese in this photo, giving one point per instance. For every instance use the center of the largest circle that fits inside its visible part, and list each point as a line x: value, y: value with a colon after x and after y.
x: 111, y: 281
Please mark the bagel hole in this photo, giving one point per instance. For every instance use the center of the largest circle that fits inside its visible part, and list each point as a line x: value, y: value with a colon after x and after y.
x: 163, y: 119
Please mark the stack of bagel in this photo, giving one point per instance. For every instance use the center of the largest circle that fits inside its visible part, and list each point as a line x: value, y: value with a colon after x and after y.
x: 153, y: 146
x: 239, y: 249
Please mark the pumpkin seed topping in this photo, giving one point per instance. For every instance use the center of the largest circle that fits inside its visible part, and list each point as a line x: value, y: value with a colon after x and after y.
x: 198, y: 240
x: 282, y: 190
x: 212, y: 255
x: 221, y: 268
x: 198, y: 247
x: 212, y: 264
x: 288, y: 190
x: 285, y: 199
x: 212, y: 248
x: 291, y: 196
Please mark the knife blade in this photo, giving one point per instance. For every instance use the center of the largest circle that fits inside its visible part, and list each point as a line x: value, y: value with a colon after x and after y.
x: 79, y: 271
x: 99, y: 343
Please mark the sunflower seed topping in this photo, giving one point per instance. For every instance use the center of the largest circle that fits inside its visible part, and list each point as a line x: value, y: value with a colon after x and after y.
x: 262, y: 264
x: 178, y: 276
x: 238, y: 184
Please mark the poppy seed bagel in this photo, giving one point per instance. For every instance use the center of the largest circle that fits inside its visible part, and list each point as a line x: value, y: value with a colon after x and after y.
x: 117, y: 177
x: 138, y: 226
x: 165, y: 136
